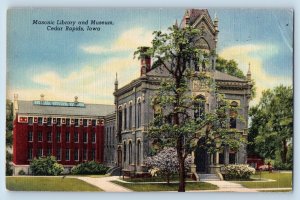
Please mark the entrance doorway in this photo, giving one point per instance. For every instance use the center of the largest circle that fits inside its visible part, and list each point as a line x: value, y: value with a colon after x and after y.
x: 201, y: 157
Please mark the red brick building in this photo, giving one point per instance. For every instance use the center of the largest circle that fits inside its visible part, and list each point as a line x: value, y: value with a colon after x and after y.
x: 73, y: 132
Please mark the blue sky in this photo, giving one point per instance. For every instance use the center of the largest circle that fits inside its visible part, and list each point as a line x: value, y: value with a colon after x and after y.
x: 62, y: 64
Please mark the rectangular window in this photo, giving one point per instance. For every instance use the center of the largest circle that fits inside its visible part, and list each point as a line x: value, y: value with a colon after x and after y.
x: 58, y: 121
x: 68, y: 121
x: 93, y: 154
x: 67, y: 137
x: 76, y: 122
x: 29, y: 155
x: 125, y: 118
x: 67, y: 154
x: 49, y: 136
x: 40, y: 121
x: 58, y: 154
x: 231, y: 158
x: 93, y: 122
x: 49, y: 121
x: 30, y: 120
x: 58, y: 135
x: 85, y: 122
x: 130, y: 116
x: 139, y: 115
x: 85, y: 154
x: 49, y: 152
x: 76, y: 138
x: 30, y: 136
x: 85, y: 137
x: 40, y: 152
x: 94, y: 137
x: 76, y: 157
x: 40, y: 136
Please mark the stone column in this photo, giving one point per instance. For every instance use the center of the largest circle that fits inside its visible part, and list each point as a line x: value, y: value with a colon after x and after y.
x: 217, y: 158
x: 193, y: 166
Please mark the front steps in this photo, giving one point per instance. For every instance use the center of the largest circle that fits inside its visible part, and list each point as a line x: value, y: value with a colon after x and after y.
x: 209, y: 177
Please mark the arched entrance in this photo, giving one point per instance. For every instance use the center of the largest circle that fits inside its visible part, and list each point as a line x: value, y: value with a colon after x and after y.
x: 201, y: 157
x: 119, y: 151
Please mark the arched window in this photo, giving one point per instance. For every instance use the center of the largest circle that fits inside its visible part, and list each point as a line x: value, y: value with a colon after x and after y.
x: 130, y: 152
x: 124, y: 150
x: 233, y: 114
x: 139, y: 149
x: 139, y: 112
x: 125, y: 117
x: 199, y: 108
x: 120, y: 120
x: 130, y: 116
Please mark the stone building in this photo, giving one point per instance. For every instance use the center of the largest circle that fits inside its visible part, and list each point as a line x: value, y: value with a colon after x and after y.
x: 134, y: 110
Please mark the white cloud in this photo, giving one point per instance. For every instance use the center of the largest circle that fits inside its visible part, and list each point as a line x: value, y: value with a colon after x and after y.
x: 255, y: 54
x: 128, y: 41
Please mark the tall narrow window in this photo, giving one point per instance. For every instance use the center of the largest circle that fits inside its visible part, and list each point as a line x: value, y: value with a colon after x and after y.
x: 58, y: 121
x: 49, y: 121
x: 68, y: 122
x: 199, y: 108
x: 130, y: 152
x: 85, y: 122
x: 30, y: 136
x: 30, y: 120
x: 120, y: 120
x: 93, y: 154
x: 58, y: 154
x: 85, y: 137
x: 125, y: 118
x: 76, y: 156
x: 93, y: 122
x: 29, y: 155
x: 67, y: 136
x: 130, y: 116
x: 139, y: 148
x: 233, y: 114
x: 67, y: 154
x: 40, y: 152
x: 139, y: 113
x: 124, y: 146
x: 76, y: 137
x: 85, y: 155
x: 58, y: 137
x: 49, y: 152
x: 76, y: 122
x: 40, y: 121
x: 49, y: 136
x: 40, y: 136
x: 94, y: 137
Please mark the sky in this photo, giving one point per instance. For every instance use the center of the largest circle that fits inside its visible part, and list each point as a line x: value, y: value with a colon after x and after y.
x: 64, y: 64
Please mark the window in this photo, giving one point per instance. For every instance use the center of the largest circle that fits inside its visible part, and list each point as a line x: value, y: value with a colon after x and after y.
x: 58, y: 154
x: 58, y: 122
x: 40, y: 121
x: 199, y: 108
x: 76, y: 122
x: 67, y: 154
x: 93, y: 122
x: 139, y: 148
x: 40, y: 136
x: 49, y: 136
x: 49, y: 152
x: 120, y: 121
x: 130, y: 116
x: 85, y: 122
x: 30, y: 136
x: 67, y: 136
x: 233, y: 114
x: 68, y: 121
x: 130, y: 152
x: 139, y: 112
x: 124, y: 146
x: 76, y: 138
x: 93, y: 154
x: 85, y: 137
x: 85, y: 154
x: 30, y: 120
x: 76, y: 157
x: 58, y: 135
x: 49, y: 121
x: 29, y: 154
x: 94, y: 137
x: 40, y: 152
x: 125, y: 118
x: 231, y: 158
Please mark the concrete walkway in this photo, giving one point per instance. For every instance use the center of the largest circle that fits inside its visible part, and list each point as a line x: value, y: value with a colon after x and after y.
x: 225, y: 186
x: 105, y: 183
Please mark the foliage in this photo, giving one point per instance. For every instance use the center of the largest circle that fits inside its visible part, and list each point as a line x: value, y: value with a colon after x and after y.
x: 46, y: 166
x: 175, y: 126
x: 229, y: 67
x: 238, y: 172
x: 48, y: 184
x: 271, y: 128
x: 8, y: 166
x: 91, y: 167
x: 165, y: 163
x: 9, y: 123
x: 21, y: 172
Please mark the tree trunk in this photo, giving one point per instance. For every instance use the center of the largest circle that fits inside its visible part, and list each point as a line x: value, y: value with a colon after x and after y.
x: 284, y: 151
x: 181, y: 176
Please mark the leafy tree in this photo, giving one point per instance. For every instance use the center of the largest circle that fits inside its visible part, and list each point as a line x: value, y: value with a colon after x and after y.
x: 177, y: 124
x: 229, y: 67
x: 46, y: 166
x: 9, y: 136
x: 271, y: 128
x: 166, y: 162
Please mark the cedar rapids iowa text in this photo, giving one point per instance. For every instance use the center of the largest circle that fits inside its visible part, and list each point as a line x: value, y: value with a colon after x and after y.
x: 68, y: 25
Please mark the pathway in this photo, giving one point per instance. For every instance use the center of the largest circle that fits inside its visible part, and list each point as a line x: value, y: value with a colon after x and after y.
x: 105, y: 183
x: 225, y: 186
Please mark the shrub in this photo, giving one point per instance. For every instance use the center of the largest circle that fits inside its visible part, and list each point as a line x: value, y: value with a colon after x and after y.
x: 46, y: 166
x: 238, y: 172
x: 21, y: 172
x: 88, y: 168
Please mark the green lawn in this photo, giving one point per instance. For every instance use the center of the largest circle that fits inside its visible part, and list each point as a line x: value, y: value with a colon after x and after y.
x: 282, y: 180
x: 153, y: 179
x: 150, y: 187
x: 48, y: 184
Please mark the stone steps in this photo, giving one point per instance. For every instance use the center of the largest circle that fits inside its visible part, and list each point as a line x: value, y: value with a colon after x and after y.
x: 208, y: 177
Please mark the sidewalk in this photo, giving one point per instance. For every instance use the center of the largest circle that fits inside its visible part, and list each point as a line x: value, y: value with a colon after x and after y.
x: 225, y: 186
x: 105, y: 183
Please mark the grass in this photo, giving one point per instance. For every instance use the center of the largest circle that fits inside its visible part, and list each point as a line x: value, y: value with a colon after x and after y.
x: 149, y: 187
x: 48, y: 184
x: 282, y: 180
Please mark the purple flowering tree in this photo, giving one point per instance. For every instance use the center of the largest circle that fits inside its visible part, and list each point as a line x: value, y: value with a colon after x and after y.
x: 166, y: 162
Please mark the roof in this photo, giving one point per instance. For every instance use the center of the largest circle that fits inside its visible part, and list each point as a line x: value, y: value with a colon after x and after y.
x: 28, y: 107
x: 226, y: 77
